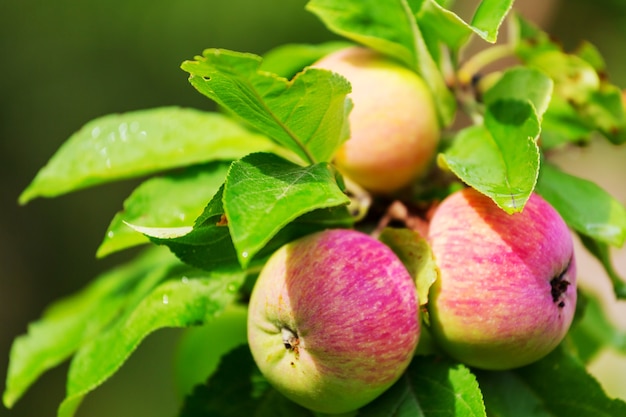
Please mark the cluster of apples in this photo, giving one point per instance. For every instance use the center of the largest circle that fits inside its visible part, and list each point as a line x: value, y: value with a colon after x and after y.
x: 334, y: 318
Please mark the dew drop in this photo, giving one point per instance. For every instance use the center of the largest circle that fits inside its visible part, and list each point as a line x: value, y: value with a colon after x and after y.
x: 244, y: 254
x: 231, y: 288
x: 124, y: 131
x: 95, y: 132
x: 166, y: 299
x: 110, y: 234
x: 184, y: 280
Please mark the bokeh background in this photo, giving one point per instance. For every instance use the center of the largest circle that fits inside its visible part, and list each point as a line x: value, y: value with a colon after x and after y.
x: 64, y: 62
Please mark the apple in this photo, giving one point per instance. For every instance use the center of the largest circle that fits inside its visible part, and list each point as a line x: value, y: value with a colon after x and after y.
x: 333, y: 320
x: 394, y: 130
x: 506, y: 291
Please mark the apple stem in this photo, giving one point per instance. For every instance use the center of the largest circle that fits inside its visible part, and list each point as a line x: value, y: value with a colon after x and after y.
x: 469, y: 83
x: 487, y: 56
x: 360, y: 199
x: 398, y: 211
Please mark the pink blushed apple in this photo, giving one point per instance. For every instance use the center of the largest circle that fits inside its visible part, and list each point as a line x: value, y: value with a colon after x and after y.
x: 506, y: 292
x: 394, y: 129
x: 333, y: 320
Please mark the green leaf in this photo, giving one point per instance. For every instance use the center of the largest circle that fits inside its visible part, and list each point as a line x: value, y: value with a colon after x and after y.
x: 556, y: 386
x: 604, y: 110
x: 238, y: 389
x: 588, y: 52
x: 264, y: 192
x: 529, y: 40
x: 214, y: 210
x: 568, y: 121
x: 201, y: 348
x: 574, y: 78
x: 414, y: 252
x: 208, y: 245
x: 583, y: 95
x: 275, y: 404
x: 501, y: 158
x: 594, y: 332
x: 489, y: 16
x: 431, y: 386
x: 307, y: 115
x: 440, y: 23
x: 600, y: 250
x: 505, y: 170
x: 70, y: 322
x: 562, y: 124
x: 523, y: 84
x: 444, y: 32
x: 584, y: 206
x: 171, y: 200
x: 514, y: 128
x: 389, y: 27
x: 233, y: 390
x: 386, y: 26
x: 506, y: 395
x: 191, y: 299
x: 289, y: 59
x: 132, y: 144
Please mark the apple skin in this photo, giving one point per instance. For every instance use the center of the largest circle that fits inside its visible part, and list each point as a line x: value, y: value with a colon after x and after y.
x: 506, y: 292
x: 394, y: 130
x: 333, y: 320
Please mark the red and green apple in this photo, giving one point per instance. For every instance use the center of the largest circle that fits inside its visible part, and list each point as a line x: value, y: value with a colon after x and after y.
x: 333, y: 320
x: 506, y: 291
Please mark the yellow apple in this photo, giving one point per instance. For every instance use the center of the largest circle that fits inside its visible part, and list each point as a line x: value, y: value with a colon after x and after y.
x: 394, y: 129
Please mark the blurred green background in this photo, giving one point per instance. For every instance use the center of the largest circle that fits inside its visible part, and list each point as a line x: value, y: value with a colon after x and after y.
x: 65, y: 62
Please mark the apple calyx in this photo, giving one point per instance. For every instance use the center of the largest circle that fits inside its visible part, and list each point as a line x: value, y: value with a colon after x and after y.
x: 291, y: 341
x: 559, y: 286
